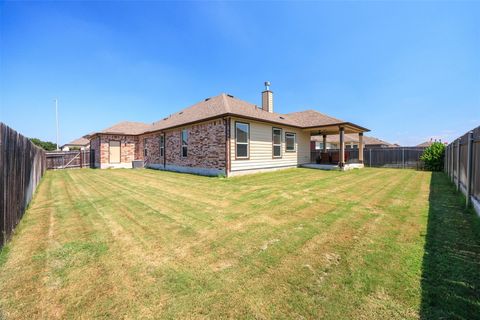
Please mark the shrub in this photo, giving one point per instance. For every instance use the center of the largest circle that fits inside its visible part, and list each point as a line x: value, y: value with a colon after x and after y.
x: 433, y: 156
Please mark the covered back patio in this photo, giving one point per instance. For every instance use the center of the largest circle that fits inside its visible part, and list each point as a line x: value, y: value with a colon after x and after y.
x: 341, y: 159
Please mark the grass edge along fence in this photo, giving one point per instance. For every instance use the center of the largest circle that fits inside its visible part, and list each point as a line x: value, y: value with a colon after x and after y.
x: 22, y: 165
x: 462, y: 164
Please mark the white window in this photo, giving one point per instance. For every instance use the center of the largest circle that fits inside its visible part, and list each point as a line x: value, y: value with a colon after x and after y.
x: 290, y: 141
x: 184, y: 142
x: 145, y: 150
x: 242, y: 137
x: 162, y: 145
x: 277, y: 142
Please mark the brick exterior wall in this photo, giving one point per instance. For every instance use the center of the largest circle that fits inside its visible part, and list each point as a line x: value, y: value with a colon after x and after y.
x: 127, y: 148
x: 206, y: 146
x: 95, y: 147
x: 152, y: 143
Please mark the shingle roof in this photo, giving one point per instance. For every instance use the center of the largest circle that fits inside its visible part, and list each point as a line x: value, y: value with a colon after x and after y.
x: 312, y: 118
x: 127, y: 127
x: 78, y: 142
x: 225, y: 105
x: 220, y: 105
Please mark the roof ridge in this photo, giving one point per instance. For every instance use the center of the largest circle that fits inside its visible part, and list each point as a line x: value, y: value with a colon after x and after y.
x: 225, y: 100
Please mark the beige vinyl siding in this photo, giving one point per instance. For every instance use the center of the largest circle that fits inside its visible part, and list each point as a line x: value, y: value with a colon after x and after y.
x: 261, y: 147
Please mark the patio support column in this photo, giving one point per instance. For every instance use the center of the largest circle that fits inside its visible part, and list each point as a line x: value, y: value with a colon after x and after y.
x: 324, y: 143
x: 360, y: 147
x: 341, y: 161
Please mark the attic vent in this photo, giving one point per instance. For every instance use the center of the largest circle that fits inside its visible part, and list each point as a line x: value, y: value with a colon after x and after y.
x: 282, y: 118
x: 181, y: 112
x: 207, y: 99
x: 165, y: 118
x: 229, y: 95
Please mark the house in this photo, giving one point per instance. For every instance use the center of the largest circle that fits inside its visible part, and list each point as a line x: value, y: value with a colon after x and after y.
x: 351, y: 142
x: 221, y: 135
x: 82, y: 143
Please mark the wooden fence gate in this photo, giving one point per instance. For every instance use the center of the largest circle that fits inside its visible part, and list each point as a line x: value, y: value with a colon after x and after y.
x: 70, y: 159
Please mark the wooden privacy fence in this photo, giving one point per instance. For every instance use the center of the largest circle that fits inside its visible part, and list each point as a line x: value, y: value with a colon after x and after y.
x: 400, y: 157
x: 22, y: 165
x: 70, y: 159
x: 462, y: 164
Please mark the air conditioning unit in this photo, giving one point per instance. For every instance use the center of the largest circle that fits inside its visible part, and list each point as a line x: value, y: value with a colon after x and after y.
x: 136, y: 164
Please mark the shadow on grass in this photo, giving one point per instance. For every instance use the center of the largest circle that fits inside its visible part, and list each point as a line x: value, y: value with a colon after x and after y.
x: 451, y: 263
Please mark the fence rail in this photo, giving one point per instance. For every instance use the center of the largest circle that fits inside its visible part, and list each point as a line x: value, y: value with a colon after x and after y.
x: 70, y: 159
x: 462, y: 164
x: 22, y: 165
x: 401, y: 157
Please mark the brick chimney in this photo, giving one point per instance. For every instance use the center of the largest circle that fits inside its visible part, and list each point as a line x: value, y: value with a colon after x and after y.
x: 267, y: 98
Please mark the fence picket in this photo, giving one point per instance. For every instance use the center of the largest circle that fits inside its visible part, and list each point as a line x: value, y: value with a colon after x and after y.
x: 22, y: 165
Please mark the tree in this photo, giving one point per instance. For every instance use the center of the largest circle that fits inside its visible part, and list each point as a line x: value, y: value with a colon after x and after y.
x: 46, y: 145
x: 433, y: 156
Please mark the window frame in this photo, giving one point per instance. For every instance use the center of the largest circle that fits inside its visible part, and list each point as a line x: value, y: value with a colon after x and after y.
x: 182, y: 145
x: 278, y: 145
x: 161, y: 143
x: 294, y: 142
x: 145, y: 150
x: 243, y: 143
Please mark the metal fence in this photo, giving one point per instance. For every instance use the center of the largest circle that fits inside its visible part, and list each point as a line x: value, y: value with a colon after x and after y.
x: 400, y: 157
x: 22, y: 165
x: 70, y: 159
x: 462, y: 164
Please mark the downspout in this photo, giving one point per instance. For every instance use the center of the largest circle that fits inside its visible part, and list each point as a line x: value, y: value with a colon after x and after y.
x: 164, y: 151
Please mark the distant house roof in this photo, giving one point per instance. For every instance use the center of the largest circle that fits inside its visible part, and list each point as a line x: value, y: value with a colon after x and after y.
x: 227, y: 105
x: 425, y: 144
x: 78, y: 142
x: 349, y: 137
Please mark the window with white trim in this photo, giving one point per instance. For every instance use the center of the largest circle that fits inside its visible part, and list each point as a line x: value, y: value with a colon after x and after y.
x: 277, y: 142
x: 184, y: 142
x: 290, y: 142
x: 242, y: 136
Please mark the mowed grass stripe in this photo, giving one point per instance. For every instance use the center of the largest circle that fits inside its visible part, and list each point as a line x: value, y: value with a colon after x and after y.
x: 297, y: 243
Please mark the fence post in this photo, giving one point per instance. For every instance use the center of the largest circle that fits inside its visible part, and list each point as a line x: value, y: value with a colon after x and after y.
x: 458, y: 164
x: 370, y: 157
x: 452, y: 165
x: 445, y: 161
x: 469, y: 167
x: 403, y: 157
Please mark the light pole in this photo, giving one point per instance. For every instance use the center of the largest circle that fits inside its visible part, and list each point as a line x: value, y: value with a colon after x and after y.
x: 56, y: 117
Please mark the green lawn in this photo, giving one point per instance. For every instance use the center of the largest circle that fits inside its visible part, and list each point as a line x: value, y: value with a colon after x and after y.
x: 293, y: 244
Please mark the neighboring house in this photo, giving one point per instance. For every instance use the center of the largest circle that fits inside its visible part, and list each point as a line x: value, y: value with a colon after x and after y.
x: 82, y: 143
x: 221, y: 135
x: 351, y: 142
x: 427, y: 144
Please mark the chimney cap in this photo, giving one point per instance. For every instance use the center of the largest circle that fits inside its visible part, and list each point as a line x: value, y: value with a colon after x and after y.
x: 267, y: 85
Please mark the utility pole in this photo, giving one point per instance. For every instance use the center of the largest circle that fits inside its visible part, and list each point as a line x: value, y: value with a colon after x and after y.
x: 56, y: 118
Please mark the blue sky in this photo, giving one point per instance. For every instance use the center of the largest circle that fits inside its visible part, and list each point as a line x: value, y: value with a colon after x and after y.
x: 406, y: 70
